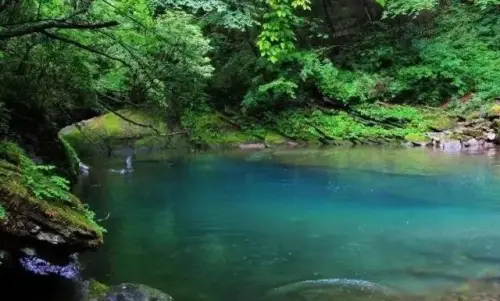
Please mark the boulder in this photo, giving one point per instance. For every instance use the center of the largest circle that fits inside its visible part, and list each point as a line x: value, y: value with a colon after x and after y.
x: 473, y: 132
x: 105, y: 134
x: 490, y: 137
x: 133, y: 292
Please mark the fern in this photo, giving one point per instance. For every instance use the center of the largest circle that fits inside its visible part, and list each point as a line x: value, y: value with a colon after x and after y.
x: 44, y: 184
x: 41, y: 180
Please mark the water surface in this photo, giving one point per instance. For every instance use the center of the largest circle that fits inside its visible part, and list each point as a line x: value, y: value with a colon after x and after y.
x: 233, y: 226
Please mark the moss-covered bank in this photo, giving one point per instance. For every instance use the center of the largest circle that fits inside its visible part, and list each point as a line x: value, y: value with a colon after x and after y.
x: 367, y: 124
x: 37, y: 210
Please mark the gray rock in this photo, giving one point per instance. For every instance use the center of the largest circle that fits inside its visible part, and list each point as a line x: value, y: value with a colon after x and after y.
x: 29, y: 251
x: 252, y: 146
x: 491, y: 137
x: 451, y: 145
x: 473, y: 132
x: 134, y: 292
x: 52, y: 238
x: 471, y: 143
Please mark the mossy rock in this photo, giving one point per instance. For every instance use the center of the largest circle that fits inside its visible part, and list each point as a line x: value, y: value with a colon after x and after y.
x: 96, y: 290
x: 458, y: 136
x: 58, y: 223
x: 441, y: 123
x: 474, y: 115
x: 473, y: 132
x: 272, y: 138
x: 107, y: 132
x: 50, y: 226
x: 212, y: 130
x: 493, y: 111
x: 134, y: 292
x: 418, y: 139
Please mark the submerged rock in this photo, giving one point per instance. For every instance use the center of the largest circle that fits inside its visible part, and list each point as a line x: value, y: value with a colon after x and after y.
x: 132, y: 292
x: 345, y: 285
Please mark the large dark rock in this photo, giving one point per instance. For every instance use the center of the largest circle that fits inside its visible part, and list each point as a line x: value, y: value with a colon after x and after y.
x: 133, y: 292
x: 19, y: 284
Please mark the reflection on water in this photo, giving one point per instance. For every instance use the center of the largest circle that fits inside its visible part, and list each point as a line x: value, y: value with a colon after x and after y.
x: 234, y: 226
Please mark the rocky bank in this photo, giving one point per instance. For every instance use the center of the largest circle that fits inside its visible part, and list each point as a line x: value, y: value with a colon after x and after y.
x: 472, y: 133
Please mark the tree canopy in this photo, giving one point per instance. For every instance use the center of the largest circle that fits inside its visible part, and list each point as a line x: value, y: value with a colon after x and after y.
x: 69, y: 59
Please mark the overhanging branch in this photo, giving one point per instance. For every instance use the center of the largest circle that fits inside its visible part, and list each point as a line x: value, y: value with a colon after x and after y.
x: 135, y: 122
x: 41, y: 26
x: 85, y: 47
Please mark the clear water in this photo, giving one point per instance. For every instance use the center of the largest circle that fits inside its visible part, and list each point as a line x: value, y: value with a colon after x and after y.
x: 231, y: 226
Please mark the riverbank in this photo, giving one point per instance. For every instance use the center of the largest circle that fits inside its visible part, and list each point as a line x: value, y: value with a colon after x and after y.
x: 377, y: 124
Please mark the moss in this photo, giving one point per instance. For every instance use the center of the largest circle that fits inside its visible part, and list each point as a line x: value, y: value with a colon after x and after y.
x: 72, y: 157
x: 458, y: 136
x: 99, y: 134
x: 494, y: 111
x: 15, y: 168
x: 96, y: 290
x: 474, y: 115
x: 373, y: 123
x: 441, y: 122
x: 152, y: 142
x: 417, y: 138
x: 274, y: 138
x: 209, y: 128
x: 72, y: 214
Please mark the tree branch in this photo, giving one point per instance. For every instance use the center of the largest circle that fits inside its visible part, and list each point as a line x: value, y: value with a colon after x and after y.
x: 85, y: 47
x: 135, y: 122
x: 41, y: 26
x: 126, y: 118
x: 120, y: 12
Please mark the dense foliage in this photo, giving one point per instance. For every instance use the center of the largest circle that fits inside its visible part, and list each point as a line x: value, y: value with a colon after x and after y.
x: 66, y: 60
